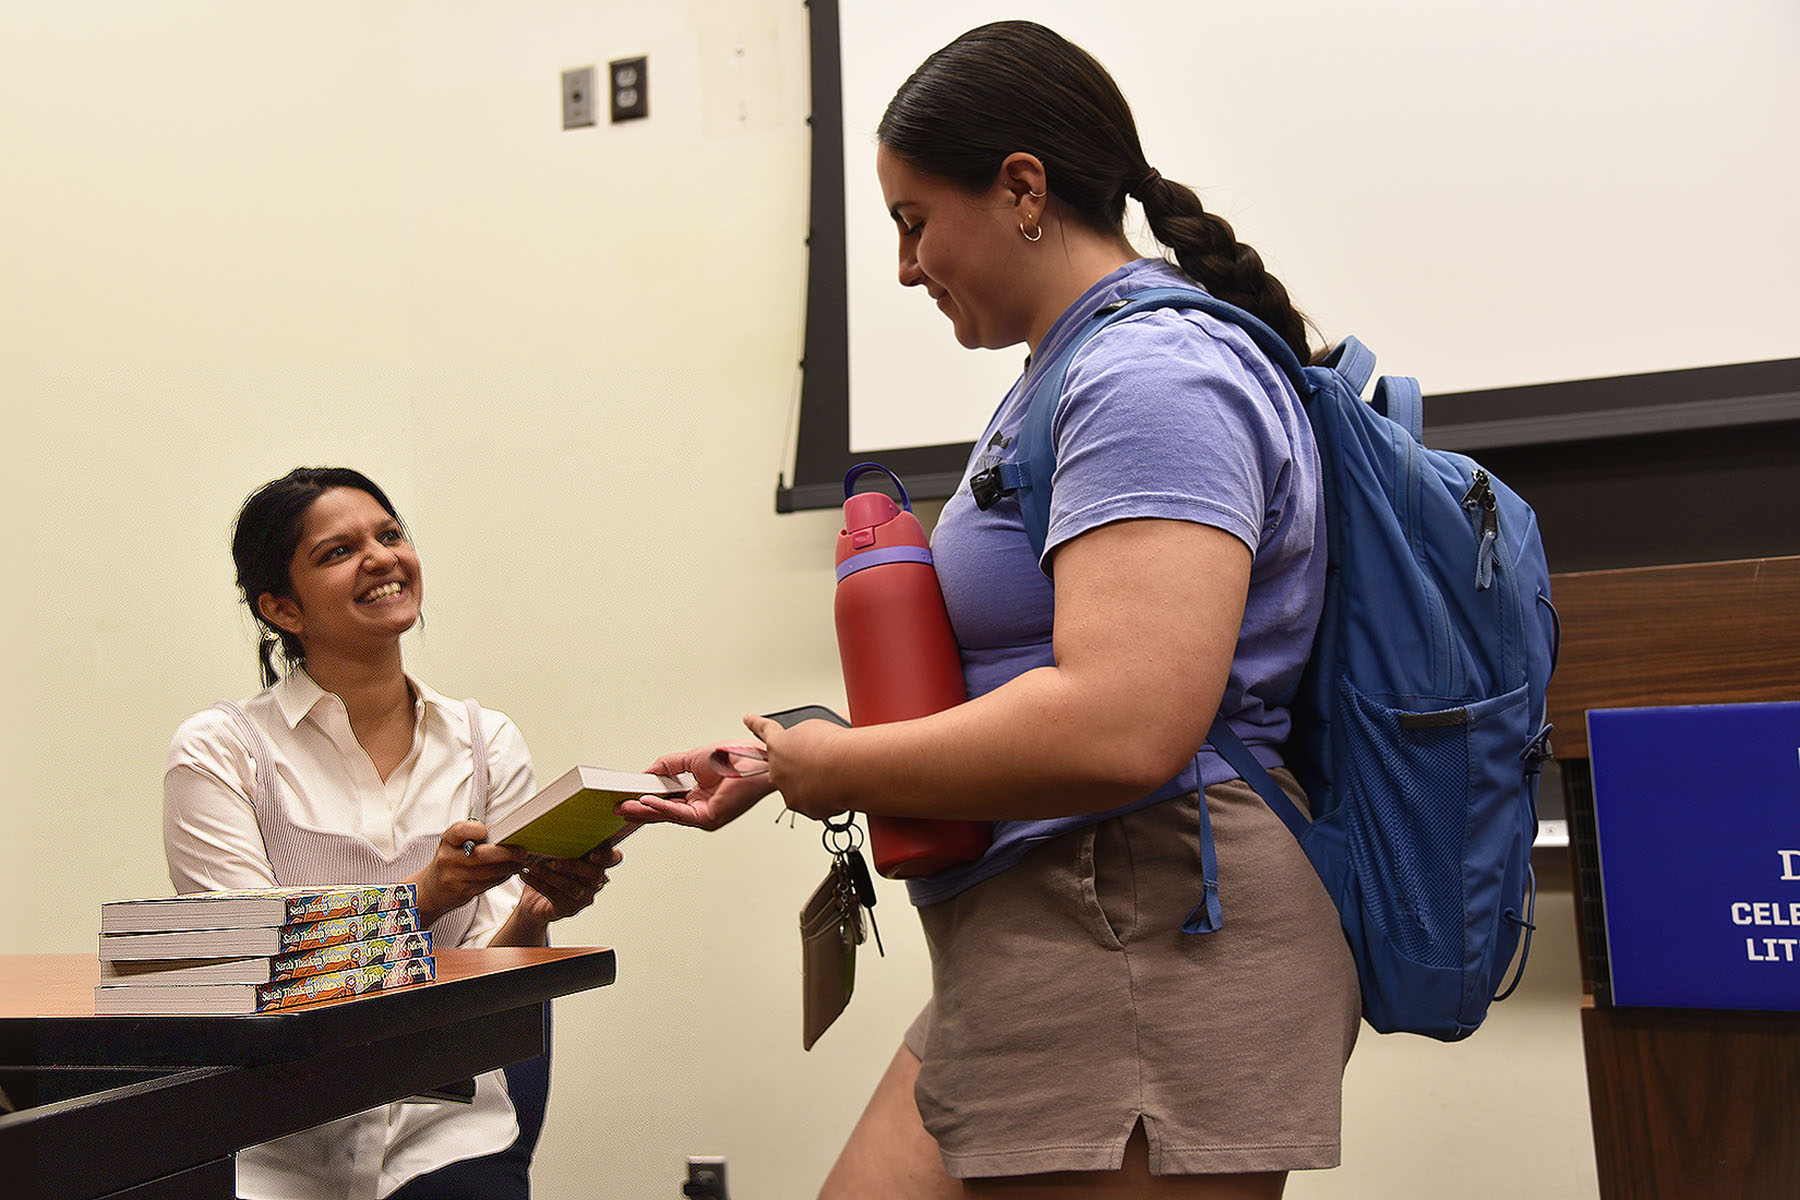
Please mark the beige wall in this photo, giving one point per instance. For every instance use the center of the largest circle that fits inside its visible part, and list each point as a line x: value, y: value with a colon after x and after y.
x: 240, y: 236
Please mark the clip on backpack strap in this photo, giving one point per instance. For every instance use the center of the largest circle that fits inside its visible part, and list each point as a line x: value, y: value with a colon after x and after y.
x: 1002, y: 479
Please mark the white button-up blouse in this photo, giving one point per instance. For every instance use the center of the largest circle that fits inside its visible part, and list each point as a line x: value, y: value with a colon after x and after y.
x: 333, y: 819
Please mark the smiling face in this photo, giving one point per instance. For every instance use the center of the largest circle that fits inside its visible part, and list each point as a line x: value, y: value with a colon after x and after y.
x: 965, y: 249
x: 356, y: 580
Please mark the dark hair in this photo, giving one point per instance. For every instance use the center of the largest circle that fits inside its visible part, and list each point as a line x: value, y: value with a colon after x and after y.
x: 265, y: 537
x: 1015, y: 86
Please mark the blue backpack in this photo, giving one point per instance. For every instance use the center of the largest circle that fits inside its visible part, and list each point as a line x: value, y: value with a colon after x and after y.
x: 1419, y: 724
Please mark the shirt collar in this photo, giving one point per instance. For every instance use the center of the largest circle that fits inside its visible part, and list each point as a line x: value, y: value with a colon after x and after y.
x: 297, y: 694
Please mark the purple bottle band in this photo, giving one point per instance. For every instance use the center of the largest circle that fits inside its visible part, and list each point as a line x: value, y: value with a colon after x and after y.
x: 881, y: 555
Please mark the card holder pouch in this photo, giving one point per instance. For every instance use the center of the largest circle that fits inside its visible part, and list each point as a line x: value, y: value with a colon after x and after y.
x: 830, y: 928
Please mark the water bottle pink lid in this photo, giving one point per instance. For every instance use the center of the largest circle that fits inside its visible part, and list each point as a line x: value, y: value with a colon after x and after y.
x: 866, y: 510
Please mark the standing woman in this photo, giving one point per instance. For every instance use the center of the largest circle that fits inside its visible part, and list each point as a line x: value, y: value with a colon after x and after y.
x: 1077, y: 1042
x: 349, y: 770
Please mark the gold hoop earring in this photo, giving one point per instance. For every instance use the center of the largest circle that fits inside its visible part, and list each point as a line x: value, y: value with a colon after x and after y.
x: 1029, y: 236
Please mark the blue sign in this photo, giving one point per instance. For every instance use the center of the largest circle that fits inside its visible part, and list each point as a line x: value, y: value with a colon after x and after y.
x: 1698, y: 815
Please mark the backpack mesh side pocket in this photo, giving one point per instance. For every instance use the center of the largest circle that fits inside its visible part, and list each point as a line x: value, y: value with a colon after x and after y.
x: 1404, y: 806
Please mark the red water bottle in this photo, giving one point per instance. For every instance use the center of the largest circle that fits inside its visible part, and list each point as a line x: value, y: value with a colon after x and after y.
x: 900, y: 658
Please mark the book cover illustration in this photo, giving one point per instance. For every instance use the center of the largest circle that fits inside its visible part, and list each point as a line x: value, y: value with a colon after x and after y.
x: 237, y: 999
x: 153, y: 972
x: 253, y: 906
x: 313, y: 934
x: 274, y: 939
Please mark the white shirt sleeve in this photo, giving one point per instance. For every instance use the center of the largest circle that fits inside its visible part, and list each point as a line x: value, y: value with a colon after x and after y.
x: 210, y: 835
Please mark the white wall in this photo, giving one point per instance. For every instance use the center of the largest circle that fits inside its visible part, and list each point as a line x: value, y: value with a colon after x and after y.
x: 240, y: 236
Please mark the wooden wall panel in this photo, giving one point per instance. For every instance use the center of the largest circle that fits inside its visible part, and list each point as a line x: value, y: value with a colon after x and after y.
x: 1701, y: 633
x: 1692, y: 1103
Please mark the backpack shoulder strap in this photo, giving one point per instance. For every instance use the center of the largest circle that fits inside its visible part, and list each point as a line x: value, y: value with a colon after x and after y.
x: 1207, y: 917
x: 1232, y: 749
x: 1029, y: 471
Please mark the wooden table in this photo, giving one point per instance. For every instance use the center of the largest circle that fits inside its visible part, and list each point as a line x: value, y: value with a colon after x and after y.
x: 154, y: 1107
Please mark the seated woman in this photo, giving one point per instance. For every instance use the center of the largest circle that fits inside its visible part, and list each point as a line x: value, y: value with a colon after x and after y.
x: 348, y: 770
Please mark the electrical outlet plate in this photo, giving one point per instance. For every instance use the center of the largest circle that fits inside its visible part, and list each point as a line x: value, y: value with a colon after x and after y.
x: 705, y: 1177
x: 578, y: 97
x: 630, y: 88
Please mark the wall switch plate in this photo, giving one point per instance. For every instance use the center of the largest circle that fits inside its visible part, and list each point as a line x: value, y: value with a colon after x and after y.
x: 578, y: 97
x: 630, y: 88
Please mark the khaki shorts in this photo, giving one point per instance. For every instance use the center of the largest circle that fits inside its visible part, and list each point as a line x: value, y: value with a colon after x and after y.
x: 1068, y: 1005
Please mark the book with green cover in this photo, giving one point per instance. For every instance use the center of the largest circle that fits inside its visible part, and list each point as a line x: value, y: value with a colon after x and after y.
x: 241, y: 908
x: 573, y: 814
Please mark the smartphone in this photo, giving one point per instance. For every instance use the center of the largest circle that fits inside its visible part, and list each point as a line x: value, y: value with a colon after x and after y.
x: 787, y: 718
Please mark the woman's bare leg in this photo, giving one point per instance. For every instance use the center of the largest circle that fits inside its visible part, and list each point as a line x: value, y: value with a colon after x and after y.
x: 889, y: 1155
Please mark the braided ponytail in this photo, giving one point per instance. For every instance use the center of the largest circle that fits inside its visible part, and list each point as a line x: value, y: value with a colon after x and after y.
x: 1208, y: 251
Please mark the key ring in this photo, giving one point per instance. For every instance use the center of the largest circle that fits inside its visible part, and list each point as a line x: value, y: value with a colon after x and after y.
x: 842, y: 839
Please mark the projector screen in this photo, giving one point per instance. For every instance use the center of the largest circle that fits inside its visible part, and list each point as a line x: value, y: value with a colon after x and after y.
x: 1491, y: 197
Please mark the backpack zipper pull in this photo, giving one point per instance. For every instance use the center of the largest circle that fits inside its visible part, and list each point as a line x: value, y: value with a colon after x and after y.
x: 1481, y: 494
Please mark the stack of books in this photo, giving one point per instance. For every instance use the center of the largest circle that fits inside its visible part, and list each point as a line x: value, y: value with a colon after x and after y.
x: 256, y: 950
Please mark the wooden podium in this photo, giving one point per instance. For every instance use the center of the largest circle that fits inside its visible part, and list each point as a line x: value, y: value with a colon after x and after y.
x: 1686, y: 1103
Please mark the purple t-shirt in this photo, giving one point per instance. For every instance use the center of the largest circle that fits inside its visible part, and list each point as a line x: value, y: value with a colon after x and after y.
x: 1167, y: 414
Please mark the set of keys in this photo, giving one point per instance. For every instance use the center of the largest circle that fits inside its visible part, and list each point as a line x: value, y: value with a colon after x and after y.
x: 854, y: 887
x: 831, y: 928
x: 831, y: 921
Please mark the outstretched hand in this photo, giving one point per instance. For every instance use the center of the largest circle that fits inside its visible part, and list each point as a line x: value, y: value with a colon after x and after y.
x: 715, y: 800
